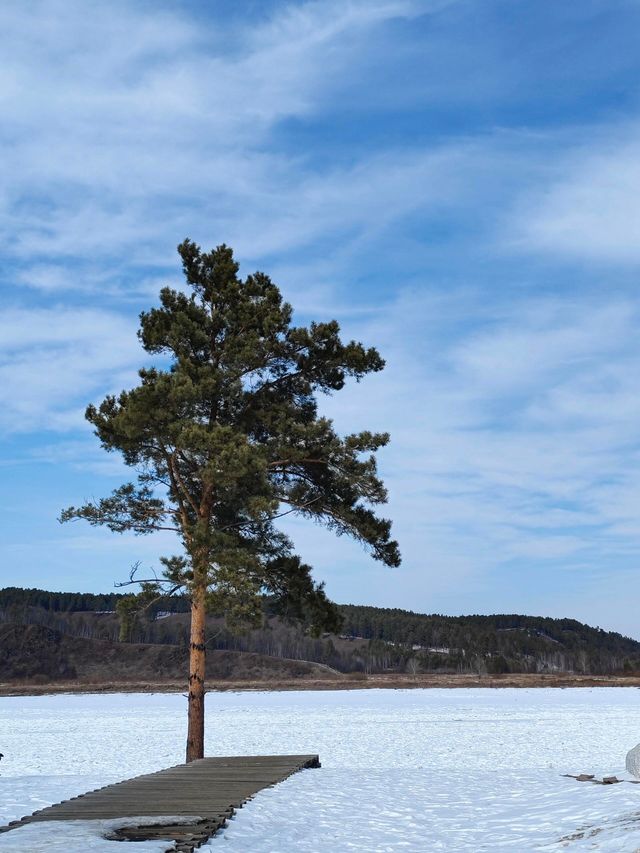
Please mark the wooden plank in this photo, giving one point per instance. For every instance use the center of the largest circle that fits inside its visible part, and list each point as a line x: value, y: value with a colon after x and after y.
x: 209, y: 789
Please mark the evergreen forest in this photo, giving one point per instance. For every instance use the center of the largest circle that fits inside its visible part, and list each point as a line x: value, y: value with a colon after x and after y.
x: 371, y: 640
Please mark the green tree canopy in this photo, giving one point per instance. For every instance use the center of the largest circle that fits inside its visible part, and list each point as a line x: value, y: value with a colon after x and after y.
x: 226, y: 438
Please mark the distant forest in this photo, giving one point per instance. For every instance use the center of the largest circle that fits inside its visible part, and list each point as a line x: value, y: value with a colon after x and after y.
x: 372, y: 639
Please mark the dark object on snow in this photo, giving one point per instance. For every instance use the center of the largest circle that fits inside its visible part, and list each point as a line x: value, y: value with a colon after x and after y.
x: 589, y: 777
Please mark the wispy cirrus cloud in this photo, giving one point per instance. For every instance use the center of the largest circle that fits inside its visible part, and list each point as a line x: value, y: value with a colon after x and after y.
x: 513, y: 445
x: 101, y: 129
x: 451, y: 180
x: 54, y: 361
x: 587, y: 206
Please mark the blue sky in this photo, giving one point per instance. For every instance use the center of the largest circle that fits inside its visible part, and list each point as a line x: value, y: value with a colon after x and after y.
x: 456, y: 181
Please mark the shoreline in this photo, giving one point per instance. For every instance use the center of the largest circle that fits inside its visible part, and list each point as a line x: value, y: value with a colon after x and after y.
x: 343, y: 682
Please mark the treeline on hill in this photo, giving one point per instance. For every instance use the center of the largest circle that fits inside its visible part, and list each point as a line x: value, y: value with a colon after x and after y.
x: 74, y: 602
x: 373, y: 639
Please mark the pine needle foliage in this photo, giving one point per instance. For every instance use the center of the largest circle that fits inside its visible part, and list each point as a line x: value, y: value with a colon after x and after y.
x: 227, y: 438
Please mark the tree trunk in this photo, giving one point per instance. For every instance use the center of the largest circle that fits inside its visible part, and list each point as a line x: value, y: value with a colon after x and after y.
x: 195, y: 733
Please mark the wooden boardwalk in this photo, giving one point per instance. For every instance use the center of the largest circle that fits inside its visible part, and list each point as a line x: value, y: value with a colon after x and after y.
x: 209, y: 789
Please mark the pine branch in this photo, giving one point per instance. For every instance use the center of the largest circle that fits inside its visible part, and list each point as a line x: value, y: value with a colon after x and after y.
x: 296, y: 508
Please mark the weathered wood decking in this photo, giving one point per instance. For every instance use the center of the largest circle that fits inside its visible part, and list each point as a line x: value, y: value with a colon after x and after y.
x: 210, y: 789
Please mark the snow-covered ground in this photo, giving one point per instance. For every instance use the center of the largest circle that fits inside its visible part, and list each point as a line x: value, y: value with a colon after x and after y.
x: 415, y: 770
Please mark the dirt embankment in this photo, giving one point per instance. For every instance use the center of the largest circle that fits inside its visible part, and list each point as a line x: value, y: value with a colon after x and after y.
x: 341, y: 682
x: 37, y: 660
x: 32, y: 657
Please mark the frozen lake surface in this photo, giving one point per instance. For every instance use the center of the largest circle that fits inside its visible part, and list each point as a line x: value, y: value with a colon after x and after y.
x: 403, y: 770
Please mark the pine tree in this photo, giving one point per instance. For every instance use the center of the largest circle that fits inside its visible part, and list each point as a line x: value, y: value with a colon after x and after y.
x: 225, y: 438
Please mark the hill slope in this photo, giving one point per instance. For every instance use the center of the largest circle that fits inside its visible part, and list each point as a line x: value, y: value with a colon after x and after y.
x: 373, y: 639
x: 33, y: 652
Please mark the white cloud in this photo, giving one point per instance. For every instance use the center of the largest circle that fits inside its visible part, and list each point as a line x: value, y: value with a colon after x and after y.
x: 103, y: 129
x: 514, y: 443
x: 587, y: 206
x: 81, y: 455
x: 513, y: 419
x: 53, y: 361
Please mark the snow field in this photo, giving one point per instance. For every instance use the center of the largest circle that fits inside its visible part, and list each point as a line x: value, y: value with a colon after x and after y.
x: 80, y: 836
x: 406, y: 770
